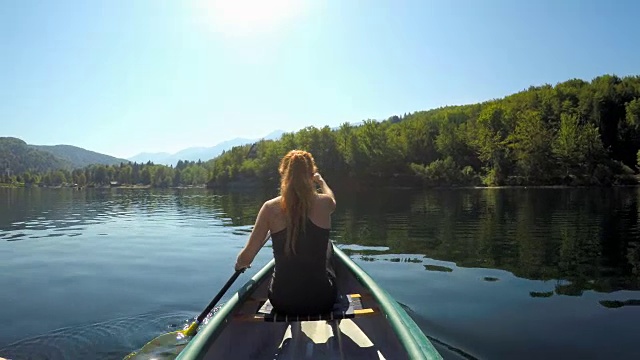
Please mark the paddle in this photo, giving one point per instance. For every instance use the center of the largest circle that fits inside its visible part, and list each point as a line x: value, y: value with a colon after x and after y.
x: 192, y: 329
x: 164, y: 341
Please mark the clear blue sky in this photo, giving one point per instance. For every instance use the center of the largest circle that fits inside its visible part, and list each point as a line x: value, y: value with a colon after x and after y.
x: 122, y: 77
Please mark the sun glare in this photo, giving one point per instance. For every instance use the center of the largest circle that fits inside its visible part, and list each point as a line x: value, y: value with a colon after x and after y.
x: 248, y: 17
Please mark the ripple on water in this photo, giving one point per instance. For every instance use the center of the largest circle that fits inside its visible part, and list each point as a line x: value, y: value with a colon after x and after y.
x: 111, y: 339
x: 242, y: 231
x: 16, y: 237
x: 356, y: 247
x: 46, y: 236
x: 71, y: 229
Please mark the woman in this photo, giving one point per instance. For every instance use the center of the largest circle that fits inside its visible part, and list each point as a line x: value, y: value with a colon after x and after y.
x: 303, y: 282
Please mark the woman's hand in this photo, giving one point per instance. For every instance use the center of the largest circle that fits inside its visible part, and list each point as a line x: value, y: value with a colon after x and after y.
x: 239, y: 267
x: 324, y: 188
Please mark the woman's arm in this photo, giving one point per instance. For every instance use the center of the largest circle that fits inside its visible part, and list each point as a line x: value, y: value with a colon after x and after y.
x: 257, y: 239
x: 325, y: 189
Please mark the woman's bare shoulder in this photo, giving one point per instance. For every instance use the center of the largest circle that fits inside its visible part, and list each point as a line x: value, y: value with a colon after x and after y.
x: 273, y: 203
x: 327, y: 199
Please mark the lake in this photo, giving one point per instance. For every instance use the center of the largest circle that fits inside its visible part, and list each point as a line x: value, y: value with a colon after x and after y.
x: 486, y: 273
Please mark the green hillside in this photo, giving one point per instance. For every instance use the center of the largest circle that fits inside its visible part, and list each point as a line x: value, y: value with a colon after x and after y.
x: 576, y: 133
x: 19, y: 157
x: 79, y: 157
x: 64, y: 164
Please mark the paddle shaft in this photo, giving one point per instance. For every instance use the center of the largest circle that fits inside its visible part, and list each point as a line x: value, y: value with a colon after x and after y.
x: 219, y: 296
x: 224, y: 289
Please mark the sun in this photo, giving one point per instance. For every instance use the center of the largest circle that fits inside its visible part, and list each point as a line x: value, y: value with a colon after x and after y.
x: 240, y: 18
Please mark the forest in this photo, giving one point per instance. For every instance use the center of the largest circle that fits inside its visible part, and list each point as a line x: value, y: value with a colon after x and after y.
x: 577, y: 133
x: 574, y: 133
x: 185, y: 173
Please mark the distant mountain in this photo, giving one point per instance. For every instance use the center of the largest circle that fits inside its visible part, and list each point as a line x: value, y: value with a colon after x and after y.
x: 156, y: 158
x: 199, y: 153
x: 274, y: 135
x: 79, y: 157
x: 18, y: 157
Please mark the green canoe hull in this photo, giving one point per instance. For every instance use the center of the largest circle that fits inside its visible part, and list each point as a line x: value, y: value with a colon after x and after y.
x: 388, y: 333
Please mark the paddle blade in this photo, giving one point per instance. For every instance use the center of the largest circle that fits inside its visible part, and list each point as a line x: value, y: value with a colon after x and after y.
x: 165, y: 346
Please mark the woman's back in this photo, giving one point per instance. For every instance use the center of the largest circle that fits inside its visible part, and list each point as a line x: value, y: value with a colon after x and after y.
x: 299, y: 221
x: 303, y: 279
x: 303, y: 283
x: 319, y: 212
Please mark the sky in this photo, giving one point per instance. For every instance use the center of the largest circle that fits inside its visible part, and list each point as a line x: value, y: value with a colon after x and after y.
x: 122, y: 77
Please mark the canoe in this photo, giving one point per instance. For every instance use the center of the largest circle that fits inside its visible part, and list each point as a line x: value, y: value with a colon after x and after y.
x: 367, y: 323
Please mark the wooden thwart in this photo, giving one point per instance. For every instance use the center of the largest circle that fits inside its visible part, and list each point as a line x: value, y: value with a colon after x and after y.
x: 346, y: 306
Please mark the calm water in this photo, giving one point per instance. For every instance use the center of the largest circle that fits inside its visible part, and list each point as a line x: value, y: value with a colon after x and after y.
x: 493, y: 273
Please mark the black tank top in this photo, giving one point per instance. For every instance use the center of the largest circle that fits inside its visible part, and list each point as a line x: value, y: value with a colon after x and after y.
x: 303, y: 283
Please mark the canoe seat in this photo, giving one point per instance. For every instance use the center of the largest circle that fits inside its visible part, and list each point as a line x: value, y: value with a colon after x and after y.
x: 346, y: 306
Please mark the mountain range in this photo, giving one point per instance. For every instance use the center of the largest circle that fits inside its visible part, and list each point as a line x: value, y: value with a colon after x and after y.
x: 198, y: 153
x: 18, y: 157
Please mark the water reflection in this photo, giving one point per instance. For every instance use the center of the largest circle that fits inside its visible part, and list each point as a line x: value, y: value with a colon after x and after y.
x: 437, y: 268
x: 588, y: 237
x: 29, y: 212
x: 529, y: 246
x: 541, y: 294
x: 613, y: 304
x: 585, y: 237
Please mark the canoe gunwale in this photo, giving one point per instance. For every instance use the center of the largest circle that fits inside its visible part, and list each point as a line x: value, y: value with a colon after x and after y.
x: 412, y: 338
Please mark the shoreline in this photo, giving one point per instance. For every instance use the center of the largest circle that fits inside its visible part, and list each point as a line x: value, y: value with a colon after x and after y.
x: 250, y: 187
x: 467, y: 187
x: 18, y: 186
x: 390, y: 183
